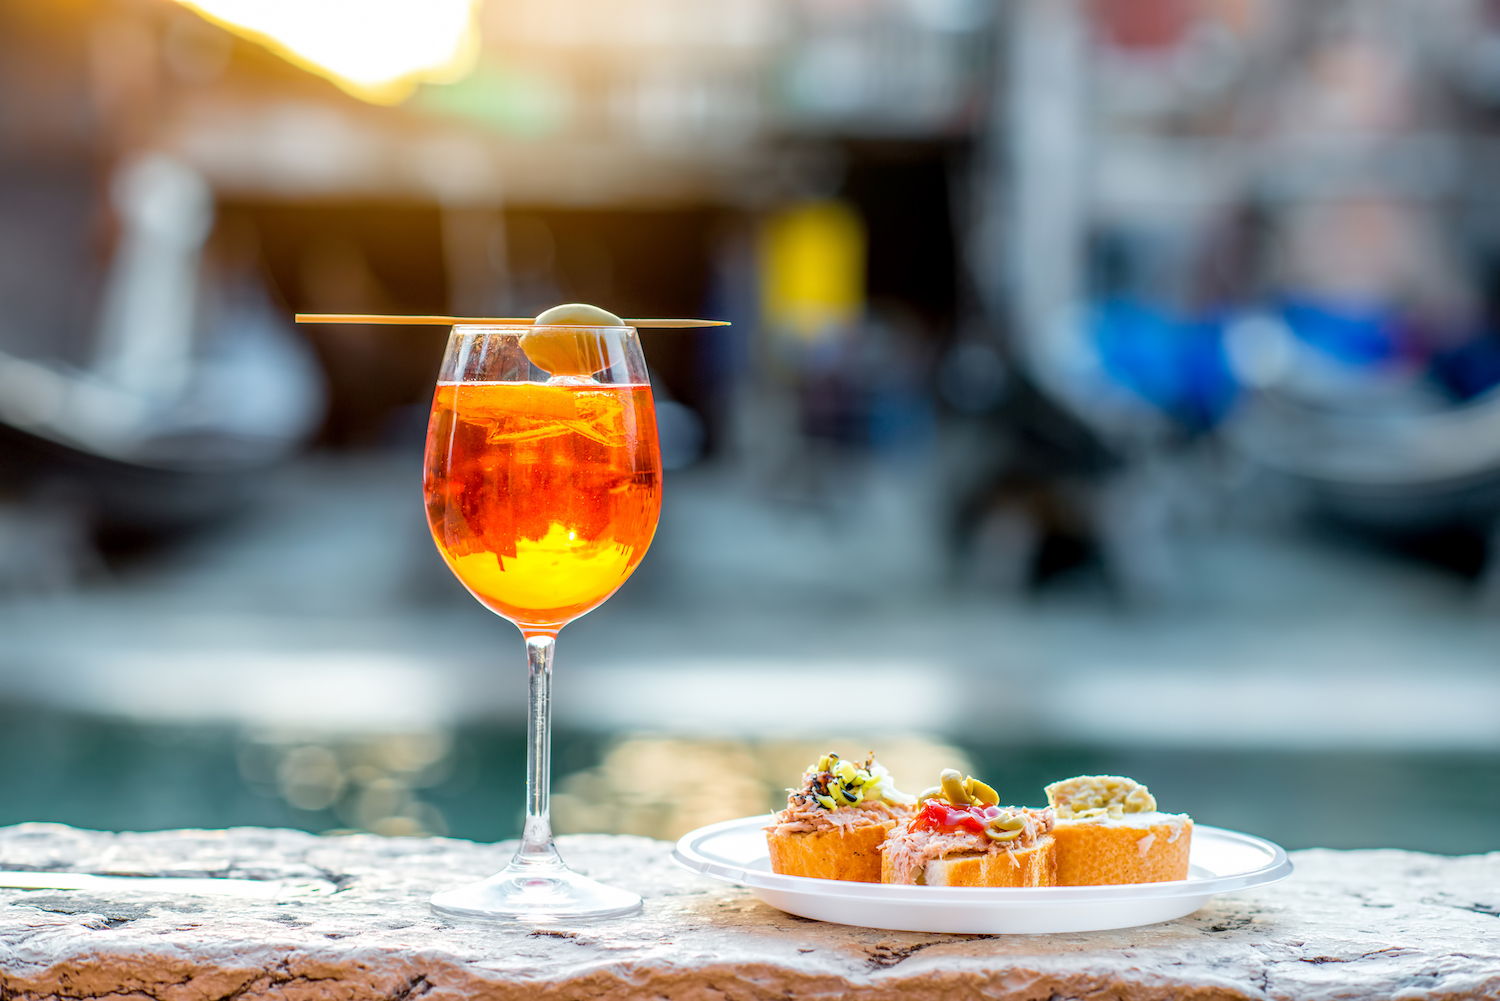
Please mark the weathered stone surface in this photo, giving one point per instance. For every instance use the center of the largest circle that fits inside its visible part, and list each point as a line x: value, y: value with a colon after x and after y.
x: 1368, y: 924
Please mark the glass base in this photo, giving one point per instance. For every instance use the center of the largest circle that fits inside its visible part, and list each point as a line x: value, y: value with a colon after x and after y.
x: 524, y: 894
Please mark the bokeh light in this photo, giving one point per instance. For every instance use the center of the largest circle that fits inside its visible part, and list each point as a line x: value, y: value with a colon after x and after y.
x: 377, y: 50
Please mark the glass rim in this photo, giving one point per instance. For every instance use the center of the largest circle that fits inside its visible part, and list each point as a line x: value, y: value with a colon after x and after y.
x: 475, y: 328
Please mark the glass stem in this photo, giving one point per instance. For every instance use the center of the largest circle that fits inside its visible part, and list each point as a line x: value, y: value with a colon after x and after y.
x: 537, y: 852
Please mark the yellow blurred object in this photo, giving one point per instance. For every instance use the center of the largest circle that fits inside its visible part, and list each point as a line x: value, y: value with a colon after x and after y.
x: 813, y: 269
x: 377, y: 50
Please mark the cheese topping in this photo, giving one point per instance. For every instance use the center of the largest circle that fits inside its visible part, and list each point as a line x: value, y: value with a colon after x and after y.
x: 1090, y: 796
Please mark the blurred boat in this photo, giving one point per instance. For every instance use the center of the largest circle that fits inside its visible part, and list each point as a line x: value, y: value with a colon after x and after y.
x: 197, y: 384
x: 1400, y: 470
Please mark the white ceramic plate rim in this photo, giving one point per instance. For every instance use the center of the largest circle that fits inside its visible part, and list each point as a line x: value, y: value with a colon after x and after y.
x: 688, y: 855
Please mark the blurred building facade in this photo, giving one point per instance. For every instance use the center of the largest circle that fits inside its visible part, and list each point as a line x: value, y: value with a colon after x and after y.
x: 1098, y: 269
x: 1029, y: 297
x: 212, y: 177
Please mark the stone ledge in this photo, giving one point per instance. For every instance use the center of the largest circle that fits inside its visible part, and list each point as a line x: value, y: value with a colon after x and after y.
x: 1357, y: 924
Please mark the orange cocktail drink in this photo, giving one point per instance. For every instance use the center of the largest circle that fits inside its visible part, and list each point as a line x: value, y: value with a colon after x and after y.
x: 543, y: 486
x: 542, y: 497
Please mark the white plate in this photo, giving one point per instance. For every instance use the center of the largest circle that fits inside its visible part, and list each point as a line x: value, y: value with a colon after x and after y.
x: 1220, y: 861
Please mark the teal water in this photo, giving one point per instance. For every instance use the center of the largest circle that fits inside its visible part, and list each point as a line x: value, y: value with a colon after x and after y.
x: 119, y: 775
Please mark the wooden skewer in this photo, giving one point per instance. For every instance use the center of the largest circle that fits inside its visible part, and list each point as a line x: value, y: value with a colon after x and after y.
x: 448, y: 321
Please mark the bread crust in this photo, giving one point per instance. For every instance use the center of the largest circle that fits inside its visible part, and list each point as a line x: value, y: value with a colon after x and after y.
x: 1095, y: 854
x: 1033, y: 866
x: 852, y: 853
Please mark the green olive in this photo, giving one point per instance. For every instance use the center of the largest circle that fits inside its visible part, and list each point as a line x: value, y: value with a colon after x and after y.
x: 999, y: 829
x: 931, y: 792
x: 982, y: 794
x: 564, y: 352
x: 953, y: 787
x: 578, y: 314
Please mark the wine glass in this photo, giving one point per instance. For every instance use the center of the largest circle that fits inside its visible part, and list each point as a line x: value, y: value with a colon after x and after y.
x: 543, y: 487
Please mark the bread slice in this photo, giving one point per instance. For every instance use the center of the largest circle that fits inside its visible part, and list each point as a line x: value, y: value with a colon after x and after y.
x: 842, y: 853
x: 1094, y: 852
x: 1033, y: 866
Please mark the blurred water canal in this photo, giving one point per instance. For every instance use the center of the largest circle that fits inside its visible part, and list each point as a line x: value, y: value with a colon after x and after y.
x: 312, y: 665
x: 121, y: 775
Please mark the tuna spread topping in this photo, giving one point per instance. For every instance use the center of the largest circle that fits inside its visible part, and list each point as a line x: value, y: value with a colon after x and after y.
x: 941, y: 830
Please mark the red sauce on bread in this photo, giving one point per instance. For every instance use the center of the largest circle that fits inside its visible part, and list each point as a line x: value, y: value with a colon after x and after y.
x: 937, y: 816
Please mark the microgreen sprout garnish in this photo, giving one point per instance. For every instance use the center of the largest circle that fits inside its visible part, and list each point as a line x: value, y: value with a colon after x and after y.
x: 835, y: 782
